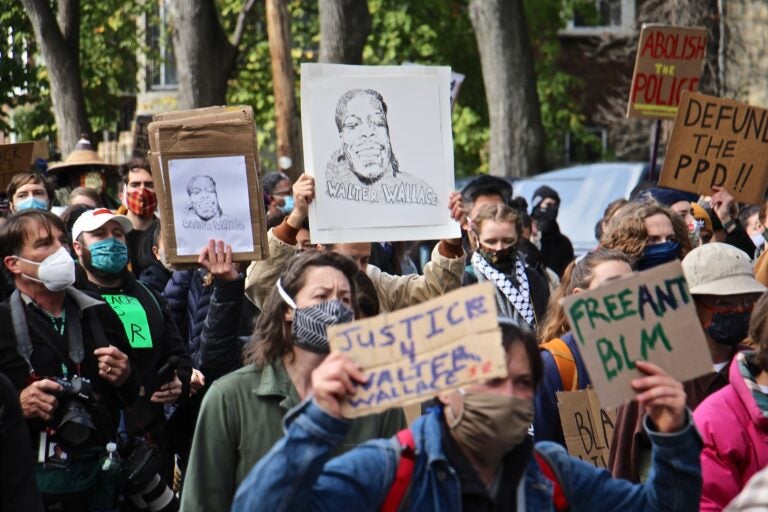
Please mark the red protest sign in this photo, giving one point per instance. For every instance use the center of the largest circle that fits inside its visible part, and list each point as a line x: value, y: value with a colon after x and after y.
x: 669, y: 61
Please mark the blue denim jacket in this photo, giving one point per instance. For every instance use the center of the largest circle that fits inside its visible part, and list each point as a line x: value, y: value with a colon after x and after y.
x: 297, y: 475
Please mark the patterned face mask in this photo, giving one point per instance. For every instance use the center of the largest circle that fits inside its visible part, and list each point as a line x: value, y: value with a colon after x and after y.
x: 310, y: 324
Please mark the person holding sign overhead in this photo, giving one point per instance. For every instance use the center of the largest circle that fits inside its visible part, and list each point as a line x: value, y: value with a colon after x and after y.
x: 99, y: 242
x: 442, y: 274
x: 471, y: 451
x: 241, y: 416
x: 522, y: 293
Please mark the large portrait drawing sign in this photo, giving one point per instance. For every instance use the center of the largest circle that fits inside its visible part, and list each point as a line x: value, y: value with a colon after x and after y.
x: 378, y: 142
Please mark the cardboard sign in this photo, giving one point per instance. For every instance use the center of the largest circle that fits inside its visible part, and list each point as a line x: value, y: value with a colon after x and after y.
x: 588, y: 429
x: 141, y: 135
x: 669, y: 61
x: 207, y: 161
x: 649, y: 316
x: 14, y: 158
x: 415, y: 353
x: 718, y: 142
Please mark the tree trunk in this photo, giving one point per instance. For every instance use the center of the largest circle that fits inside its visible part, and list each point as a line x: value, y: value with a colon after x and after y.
x: 59, y: 44
x: 287, y: 119
x: 517, y: 134
x: 344, y: 28
x: 204, y: 55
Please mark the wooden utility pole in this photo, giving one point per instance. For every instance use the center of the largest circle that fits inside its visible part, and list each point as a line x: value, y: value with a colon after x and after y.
x: 286, y: 118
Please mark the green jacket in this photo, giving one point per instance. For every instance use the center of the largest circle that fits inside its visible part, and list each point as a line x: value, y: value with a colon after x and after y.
x: 241, y: 418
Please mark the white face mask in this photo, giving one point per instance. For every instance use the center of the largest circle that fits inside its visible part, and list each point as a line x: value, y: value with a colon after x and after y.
x: 55, y: 272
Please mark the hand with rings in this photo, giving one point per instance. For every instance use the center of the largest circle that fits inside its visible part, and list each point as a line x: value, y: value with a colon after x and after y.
x: 114, y: 366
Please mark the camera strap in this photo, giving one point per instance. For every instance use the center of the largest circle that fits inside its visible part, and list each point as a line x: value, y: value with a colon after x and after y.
x: 24, y: 341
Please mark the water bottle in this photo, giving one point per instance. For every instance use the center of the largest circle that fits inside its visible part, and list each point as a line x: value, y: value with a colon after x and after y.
x: 106, y: 498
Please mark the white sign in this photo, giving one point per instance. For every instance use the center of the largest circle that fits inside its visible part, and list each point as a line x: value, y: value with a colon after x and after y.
x: 378, y: 142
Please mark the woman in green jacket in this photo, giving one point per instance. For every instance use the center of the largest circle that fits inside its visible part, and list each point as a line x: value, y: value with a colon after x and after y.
x: 241, y: 415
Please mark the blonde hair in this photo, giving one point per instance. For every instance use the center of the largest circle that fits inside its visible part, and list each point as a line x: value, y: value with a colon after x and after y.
x: 626, y: 231
x: 578, y: 274
x: 497, y: 212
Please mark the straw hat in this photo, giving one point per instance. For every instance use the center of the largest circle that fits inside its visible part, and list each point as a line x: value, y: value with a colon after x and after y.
x: 82, y: 155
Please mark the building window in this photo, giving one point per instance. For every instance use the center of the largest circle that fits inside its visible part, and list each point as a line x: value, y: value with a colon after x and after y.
x: 161, y: 65
x: 601, y: 17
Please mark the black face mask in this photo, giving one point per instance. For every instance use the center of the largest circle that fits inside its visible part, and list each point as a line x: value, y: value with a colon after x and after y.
x: 503, y: 259
x: 729, y: 328
x: 546, y: 220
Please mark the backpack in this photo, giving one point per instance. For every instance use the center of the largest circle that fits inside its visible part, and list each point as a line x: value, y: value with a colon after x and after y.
x: 402, y: 481
x: 566, y: 363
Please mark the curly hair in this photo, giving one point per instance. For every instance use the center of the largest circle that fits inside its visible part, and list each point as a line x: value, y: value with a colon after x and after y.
x: 626, y: 231
x: 578, y: 274
x: 271, y: 339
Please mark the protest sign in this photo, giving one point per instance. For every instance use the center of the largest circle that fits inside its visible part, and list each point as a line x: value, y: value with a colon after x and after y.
x: 669, y: 61
x: 203, y: 159
x: 378, y: 141
x: 588, y: 429
x: 718, y: 142
x: 14, y: 158
x: 415, y: 353
x: 134, y: 318
x: 141, y: 135
x: 648, y: 316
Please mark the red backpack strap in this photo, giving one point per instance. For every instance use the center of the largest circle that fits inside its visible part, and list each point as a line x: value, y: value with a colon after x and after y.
x: 558, y: 496
x: 404, y: 472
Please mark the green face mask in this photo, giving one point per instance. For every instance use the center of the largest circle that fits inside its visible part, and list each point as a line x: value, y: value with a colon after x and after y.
x: 491, y: 425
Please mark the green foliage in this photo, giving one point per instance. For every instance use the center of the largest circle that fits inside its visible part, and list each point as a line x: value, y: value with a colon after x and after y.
x: 558, y: 90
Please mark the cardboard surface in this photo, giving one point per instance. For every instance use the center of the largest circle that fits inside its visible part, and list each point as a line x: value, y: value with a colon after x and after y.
x: 214, y: 132
x: 588, y: 429
x: 718, y: 142
x: 415, y: 353
x: 648, y: 316
x: 669, y: 61
x: 14, y: 158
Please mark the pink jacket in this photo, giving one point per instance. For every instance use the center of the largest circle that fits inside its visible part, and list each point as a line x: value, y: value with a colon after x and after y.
x: 735, y: 434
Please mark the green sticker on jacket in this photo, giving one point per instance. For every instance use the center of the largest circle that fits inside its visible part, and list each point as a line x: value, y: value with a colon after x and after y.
x: 134, y: 318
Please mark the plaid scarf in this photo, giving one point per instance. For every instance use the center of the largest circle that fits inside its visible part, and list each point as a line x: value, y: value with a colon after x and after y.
x: 748, y: 371
x: 519, y: 298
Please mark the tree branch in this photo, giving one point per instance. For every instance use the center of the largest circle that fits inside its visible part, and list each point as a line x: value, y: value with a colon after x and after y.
x: 237, y: 35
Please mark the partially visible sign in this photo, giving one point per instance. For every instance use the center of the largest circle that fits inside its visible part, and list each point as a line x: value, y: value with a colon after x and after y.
x: 456, y: 80
x: 718, y: 142
x: 588, y: 429
x: 131, y: 313
x: 669, y: 61
x: 415, y: 353
x: 14, y: 158
x: 649, y: 316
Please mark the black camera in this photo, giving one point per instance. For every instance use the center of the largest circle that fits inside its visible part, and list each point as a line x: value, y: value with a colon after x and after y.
x: 143, y: 483
x: 74, y: 426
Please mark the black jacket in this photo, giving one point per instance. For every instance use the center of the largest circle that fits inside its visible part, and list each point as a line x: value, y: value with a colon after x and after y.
x: 556, y: 251
x: 50, y: 355
x: 18, y: 489
x: 166, y: 342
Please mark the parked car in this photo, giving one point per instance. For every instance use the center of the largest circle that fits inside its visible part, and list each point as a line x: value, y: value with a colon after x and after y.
x: 585, y: 191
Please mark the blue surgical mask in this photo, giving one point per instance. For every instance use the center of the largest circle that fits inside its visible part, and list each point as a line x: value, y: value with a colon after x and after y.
x: 658, y: 254
x: 32, y: 202
x: 110, y: 255
x: 758, y: 239
x: 287, y: 205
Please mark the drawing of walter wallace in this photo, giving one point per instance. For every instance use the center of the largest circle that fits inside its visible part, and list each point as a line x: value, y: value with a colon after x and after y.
x: 365, y: 169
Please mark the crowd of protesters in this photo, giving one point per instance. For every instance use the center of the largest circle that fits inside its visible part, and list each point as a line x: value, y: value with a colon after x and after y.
x: 126, y: 384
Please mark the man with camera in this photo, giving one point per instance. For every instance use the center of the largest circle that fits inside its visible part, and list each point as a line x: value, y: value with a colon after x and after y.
x: 66, y: 353
x: 158, y: 353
